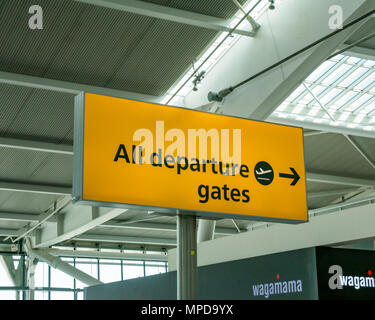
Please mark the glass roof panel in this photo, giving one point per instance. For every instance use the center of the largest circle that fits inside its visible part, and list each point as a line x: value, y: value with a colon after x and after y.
x: 330, y: 95
x: 337, y: 74
x: 320, y: 71
x: 345, y: 85
x: 356, y: 103
x: 370, y: 79
x: 355, y: 75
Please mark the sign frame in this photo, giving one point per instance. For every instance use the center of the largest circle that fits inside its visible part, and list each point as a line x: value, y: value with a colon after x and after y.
x: 78, y: 168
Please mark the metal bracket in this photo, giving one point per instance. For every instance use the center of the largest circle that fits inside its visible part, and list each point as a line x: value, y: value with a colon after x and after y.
x: 255, y: 25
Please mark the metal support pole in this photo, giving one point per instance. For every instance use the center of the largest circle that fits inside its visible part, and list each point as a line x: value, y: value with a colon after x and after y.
x: 187, y: 280
x: 31, y: 278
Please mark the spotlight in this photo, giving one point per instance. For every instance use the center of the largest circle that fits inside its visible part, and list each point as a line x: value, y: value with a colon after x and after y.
x: 197, y: 80
x: 272, y: 4
x: 218, y: 97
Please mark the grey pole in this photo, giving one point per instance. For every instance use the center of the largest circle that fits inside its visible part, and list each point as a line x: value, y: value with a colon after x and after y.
x: 187, y: 280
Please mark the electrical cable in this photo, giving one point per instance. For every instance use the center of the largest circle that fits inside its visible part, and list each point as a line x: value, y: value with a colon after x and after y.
x: 219, y: 96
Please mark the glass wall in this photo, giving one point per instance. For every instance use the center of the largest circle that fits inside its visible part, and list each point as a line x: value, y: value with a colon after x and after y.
x: 52, y: 284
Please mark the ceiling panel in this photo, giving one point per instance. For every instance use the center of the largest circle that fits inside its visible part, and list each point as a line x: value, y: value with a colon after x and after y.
x: 102, y: 47
x: 217, y: 8
x: 36, y: 114
x: 334, y: 154
x: 25, y: 202
x: 35, y: 167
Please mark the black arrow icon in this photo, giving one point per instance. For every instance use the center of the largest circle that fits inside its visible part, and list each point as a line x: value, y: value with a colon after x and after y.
x: 293, y: 176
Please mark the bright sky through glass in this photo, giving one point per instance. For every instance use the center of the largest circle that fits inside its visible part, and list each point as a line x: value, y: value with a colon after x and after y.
x: 345, y: 85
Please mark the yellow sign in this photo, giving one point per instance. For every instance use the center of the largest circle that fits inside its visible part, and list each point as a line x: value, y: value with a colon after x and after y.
x: 131, y: 153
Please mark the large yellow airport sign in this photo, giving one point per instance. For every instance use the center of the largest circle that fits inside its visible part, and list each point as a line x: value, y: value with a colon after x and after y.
x: 130, y: 153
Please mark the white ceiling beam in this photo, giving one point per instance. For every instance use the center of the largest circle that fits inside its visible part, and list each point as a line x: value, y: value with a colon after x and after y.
x: 340, y: 180
x: 329, y: 193
x: 20, y: 217
x: 338, y: 227
x: 61, y: 265
x: 35, y: 188
x: 126, y: 239
x: 34, y: 218
x: 72, y: 221
x: 39, y: 146
x: 8, y: 232
x: 322, y: 127
x: 313, y: 133
x: 167, y: 13
x: 53, y: 210
x: 57, y: 190
x: 107, y: 255
x: 361, y: 52
x: 360, y: 150
x: 157, y: 227
x: 69, y: 87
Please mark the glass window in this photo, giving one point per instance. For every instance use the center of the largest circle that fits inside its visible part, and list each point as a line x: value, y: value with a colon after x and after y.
x: 60, y: 279
x: 5, y: 280
x: 89, y: 266
x: 358, y: 102
x: 320, y: 71
x: 16, y: 261
x: 80, y: 295
x: 133, y: 269
x: 295, y: 93
x: 353, y: 60
x: 7, y: 294
x: 337, y: 74
x: 62, y: 295
x: 368, y: 109
x: 370, y: 79
x: 330, y: 95
x: 110, y: 270
x: 41, y: 275
x: 155, y: 268
x: 41, y: 295
x: 369, y: 63
x: 355, y: 75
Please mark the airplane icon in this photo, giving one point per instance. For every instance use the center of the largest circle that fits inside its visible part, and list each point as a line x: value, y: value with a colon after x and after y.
x: 263, y: 171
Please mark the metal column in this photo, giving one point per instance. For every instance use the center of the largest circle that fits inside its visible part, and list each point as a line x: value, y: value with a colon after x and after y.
x: 187, y: 280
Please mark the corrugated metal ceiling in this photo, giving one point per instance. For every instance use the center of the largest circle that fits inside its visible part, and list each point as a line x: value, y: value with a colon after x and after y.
x: 25, y: 202
x: 333, y: 154
x: 103, y: 47
x: 36, y: 114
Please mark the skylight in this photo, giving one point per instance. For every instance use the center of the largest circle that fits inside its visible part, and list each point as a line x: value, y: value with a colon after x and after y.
x: 345, y: 85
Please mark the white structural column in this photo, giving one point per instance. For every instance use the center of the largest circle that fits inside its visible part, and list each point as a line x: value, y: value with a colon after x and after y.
x: 8, y: 265
x: 340, y: 227
x: 73, y: 221
x: 206, y: 230
x: 32, y: 263
x: 35, y: 188
x: 281, y: 35
x: 108, y: 255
